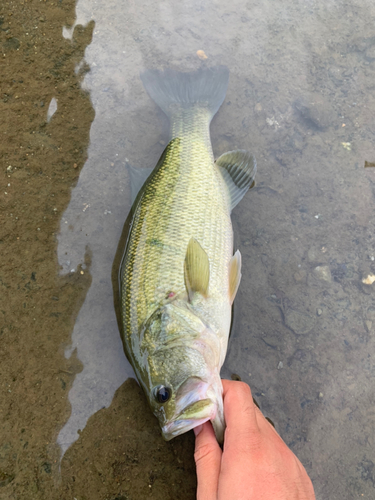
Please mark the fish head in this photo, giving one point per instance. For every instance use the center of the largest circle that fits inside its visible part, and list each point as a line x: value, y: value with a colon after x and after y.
x: 183, y: 386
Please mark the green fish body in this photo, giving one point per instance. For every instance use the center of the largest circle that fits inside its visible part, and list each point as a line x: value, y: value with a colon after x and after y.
x: 179, y: 275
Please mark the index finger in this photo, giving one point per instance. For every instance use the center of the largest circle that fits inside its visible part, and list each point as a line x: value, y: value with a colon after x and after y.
x: 242, y: 431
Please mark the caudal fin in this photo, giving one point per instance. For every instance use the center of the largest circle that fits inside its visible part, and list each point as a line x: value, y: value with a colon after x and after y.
x: 204, y: 88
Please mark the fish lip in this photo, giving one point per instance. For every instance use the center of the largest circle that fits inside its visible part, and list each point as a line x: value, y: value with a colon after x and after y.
x: 183, y: 423
x: 180, y: 427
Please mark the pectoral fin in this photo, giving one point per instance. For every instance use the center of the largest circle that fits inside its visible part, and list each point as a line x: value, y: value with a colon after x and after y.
x: 234, y: 275
x: 197, y: 269
x: 238, y: 169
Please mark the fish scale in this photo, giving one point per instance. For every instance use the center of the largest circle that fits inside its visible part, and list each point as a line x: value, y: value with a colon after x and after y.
x: 186, y: 190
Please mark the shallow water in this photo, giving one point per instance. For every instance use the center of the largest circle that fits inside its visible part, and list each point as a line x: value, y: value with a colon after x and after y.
x: 301, y: 99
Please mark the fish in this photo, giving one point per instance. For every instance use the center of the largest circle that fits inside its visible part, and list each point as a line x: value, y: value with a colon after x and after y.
x: 178, y: 277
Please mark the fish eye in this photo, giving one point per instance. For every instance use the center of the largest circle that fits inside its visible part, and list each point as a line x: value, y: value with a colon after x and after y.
x: 162, y: 394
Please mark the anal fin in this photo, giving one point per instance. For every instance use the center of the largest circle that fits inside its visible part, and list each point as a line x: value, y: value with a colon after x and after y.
x: 234, y: 275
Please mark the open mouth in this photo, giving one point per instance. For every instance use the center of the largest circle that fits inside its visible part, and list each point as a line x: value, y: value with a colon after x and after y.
x: 193, y: 415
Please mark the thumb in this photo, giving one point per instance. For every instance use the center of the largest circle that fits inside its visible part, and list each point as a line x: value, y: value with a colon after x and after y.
x: 208, y: 461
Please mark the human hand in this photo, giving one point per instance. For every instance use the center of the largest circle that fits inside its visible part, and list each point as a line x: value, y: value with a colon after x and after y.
x: 255, y: 464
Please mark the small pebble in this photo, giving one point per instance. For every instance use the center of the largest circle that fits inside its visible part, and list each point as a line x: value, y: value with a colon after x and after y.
x: 369, y: 280
x: 280, y: 365
x: 319, y: 312
x: 201, y: 55
x: 323, y: 273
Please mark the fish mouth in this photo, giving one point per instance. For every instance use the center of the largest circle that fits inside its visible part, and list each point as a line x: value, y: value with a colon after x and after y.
x: 193, y: 415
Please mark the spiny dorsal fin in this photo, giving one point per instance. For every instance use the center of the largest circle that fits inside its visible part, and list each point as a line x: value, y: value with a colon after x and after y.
x: 234, y: 275
x: 238, y: 169
x: 197, y: 269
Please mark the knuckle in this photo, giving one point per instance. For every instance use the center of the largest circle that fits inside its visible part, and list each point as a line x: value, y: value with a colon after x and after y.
x: 204, y: 453
x: 244, y: 389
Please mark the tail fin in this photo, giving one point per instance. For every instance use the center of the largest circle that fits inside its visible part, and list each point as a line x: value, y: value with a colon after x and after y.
x: 203, y: 88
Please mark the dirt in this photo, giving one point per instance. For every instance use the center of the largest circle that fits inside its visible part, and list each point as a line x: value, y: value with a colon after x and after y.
x: 74, y: 424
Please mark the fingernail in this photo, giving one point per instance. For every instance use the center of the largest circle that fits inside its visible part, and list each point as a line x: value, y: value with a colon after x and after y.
x: 197, y: 429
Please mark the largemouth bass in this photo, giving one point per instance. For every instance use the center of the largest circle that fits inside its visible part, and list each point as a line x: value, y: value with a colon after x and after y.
x: 179, y: 276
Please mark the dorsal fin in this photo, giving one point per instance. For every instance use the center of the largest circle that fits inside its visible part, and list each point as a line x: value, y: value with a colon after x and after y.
x: 197, y: 269
x: 238, y: 169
